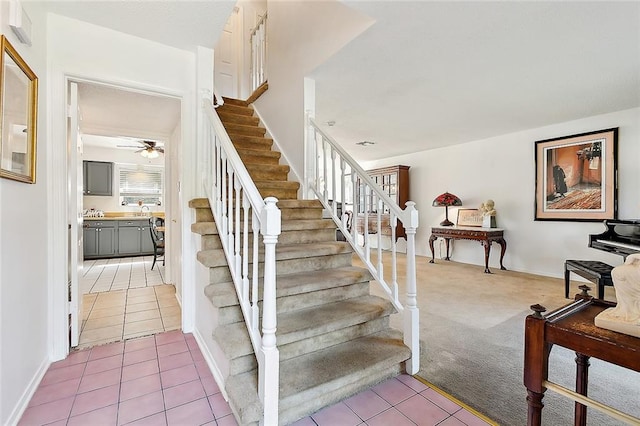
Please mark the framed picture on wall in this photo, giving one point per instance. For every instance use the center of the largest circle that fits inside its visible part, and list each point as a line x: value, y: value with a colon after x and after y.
x: 18, y: 116
x: 576, y: 177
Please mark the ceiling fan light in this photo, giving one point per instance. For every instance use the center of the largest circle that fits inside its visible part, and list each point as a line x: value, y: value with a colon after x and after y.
x: 152, y: 154
x: 144, y: 153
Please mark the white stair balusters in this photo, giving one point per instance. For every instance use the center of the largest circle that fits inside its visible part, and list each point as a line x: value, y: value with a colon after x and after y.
x: 329, y: 170
x: 241, y: 215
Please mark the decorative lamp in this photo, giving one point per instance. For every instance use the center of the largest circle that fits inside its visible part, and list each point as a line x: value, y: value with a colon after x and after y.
x: 447, y: 199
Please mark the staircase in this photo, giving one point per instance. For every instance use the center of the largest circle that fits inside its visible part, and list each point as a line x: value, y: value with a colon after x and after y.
x: 333, y: 337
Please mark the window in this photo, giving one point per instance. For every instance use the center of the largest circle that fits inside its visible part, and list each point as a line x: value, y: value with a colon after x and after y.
x: 141, y: 185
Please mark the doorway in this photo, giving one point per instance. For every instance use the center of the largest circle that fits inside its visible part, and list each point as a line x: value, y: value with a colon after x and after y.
x: 115, y: 294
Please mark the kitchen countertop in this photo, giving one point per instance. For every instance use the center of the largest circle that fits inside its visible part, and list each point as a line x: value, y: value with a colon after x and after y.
x: 118, y: 218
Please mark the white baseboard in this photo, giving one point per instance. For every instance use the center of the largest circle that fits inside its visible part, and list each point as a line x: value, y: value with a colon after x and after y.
x: 26, y: 396
x: 208, y: 356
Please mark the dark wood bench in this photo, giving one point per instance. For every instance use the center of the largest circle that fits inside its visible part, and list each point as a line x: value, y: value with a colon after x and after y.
x: 598, y: 273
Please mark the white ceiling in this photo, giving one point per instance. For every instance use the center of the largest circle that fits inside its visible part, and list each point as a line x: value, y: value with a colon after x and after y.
x: 112, y: 116
x: 426, y: 74
x: 107, y: 112
x: 184, y: 24
x: 444, y: 73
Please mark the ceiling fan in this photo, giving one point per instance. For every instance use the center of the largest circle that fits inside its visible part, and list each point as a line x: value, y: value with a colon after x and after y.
x: 147, y: 149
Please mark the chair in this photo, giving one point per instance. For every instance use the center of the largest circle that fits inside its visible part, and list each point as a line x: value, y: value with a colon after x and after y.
x: 157, y: 237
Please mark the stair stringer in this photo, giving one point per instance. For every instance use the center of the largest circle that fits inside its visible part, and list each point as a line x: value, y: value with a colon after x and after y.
x: 205, y: 333
x: 297, y: 176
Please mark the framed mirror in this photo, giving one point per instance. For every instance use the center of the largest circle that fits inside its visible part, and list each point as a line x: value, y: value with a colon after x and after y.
x: 18, y: 115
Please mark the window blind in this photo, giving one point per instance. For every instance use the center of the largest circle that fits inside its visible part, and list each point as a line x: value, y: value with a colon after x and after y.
x: 141, y: 184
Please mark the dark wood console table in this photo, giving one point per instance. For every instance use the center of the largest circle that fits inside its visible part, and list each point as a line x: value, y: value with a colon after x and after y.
x: 485, y: 235
x: 572, y: 327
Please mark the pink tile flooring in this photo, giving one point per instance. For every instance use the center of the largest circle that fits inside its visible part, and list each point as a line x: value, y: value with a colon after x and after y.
x: 164, y: 380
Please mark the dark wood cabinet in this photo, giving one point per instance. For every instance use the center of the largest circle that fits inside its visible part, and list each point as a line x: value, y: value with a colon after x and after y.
x: 394, y: 181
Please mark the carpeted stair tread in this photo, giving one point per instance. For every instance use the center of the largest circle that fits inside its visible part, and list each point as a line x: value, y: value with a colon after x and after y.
x: 215, y: 257
x: 306, y: 324
x: 241, y: 141
x: 298, y: 325
x: 308, y: 281
x: 243, y: 119
x: 315, y: 380
x: 235, y: 102
x: 299, y: 204
x: 240, y: 129
x: 276, y: 172
x: 224, y: 294
x: 246, y: 111
x: 204, y: 228
x: 208, y: 228
x: 257, y: 156
x: 199, y: 203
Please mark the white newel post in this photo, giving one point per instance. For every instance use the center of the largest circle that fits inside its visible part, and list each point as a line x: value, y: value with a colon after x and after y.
x: 268, y: 381
x: 411, y: 315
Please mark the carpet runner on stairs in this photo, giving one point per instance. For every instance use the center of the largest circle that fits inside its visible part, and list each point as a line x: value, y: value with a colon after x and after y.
x: 333, y: 337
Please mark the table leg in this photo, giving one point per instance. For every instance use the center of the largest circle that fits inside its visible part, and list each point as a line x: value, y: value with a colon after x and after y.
x: 446, y: 244
x: 432, y: 238
x: 503, y: 249
x: 534, y: 403
x: 582, y: 382
x: 487, y: 250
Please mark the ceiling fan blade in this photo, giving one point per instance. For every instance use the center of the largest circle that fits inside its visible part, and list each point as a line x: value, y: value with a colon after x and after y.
x: 160, y: 150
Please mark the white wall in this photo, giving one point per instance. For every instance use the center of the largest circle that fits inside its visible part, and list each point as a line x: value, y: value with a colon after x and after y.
x: 33, y: 218
x: 119, y: 156
x: 108, y: 56
x: 301, y: 35
x: 23, y: 250
x: 502, y: 168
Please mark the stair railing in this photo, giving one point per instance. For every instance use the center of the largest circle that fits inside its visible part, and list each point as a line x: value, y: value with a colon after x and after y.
x: 241, y: 215
x: 334, y: 177
x: 258, y: 40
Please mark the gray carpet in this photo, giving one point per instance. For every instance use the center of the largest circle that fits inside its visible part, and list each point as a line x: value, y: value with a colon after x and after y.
x: 472, y: 332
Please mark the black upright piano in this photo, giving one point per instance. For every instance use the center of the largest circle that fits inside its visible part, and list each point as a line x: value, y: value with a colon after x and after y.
x: 622, y: 237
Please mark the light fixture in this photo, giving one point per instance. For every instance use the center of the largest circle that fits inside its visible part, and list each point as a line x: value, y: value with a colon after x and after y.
x: 149, y: 153
x: 365, y: 143
x: 447, y: 199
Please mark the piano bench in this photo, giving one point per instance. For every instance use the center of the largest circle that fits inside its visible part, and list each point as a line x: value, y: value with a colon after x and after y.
x: 597, y: 272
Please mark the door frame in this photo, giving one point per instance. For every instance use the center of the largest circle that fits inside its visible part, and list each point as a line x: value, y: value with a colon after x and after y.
x: 61, y: 335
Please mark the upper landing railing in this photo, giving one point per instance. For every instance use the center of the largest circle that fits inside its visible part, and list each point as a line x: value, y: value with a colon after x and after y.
x: 258, y: 40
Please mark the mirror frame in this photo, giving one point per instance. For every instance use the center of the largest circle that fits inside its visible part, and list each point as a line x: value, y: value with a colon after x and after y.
x: 31, y: 101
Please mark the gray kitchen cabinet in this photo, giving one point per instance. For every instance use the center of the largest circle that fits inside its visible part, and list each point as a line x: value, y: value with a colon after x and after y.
x: 128, y: 239
x: 146, y: 245
x: 97, y: 178
x: 90, y: 242
x: 99, y: 239
x: 134, y: 238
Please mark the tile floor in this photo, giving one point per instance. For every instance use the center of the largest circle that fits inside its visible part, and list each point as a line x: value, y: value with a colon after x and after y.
x: 123, y: 298
x: 164, y: 380
x: 101, y: 275
x: 124, y: 314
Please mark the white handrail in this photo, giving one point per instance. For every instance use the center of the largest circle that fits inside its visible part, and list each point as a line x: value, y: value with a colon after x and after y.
x: 241, y: 215
x: 328, y: 165
x: 258, y: 24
